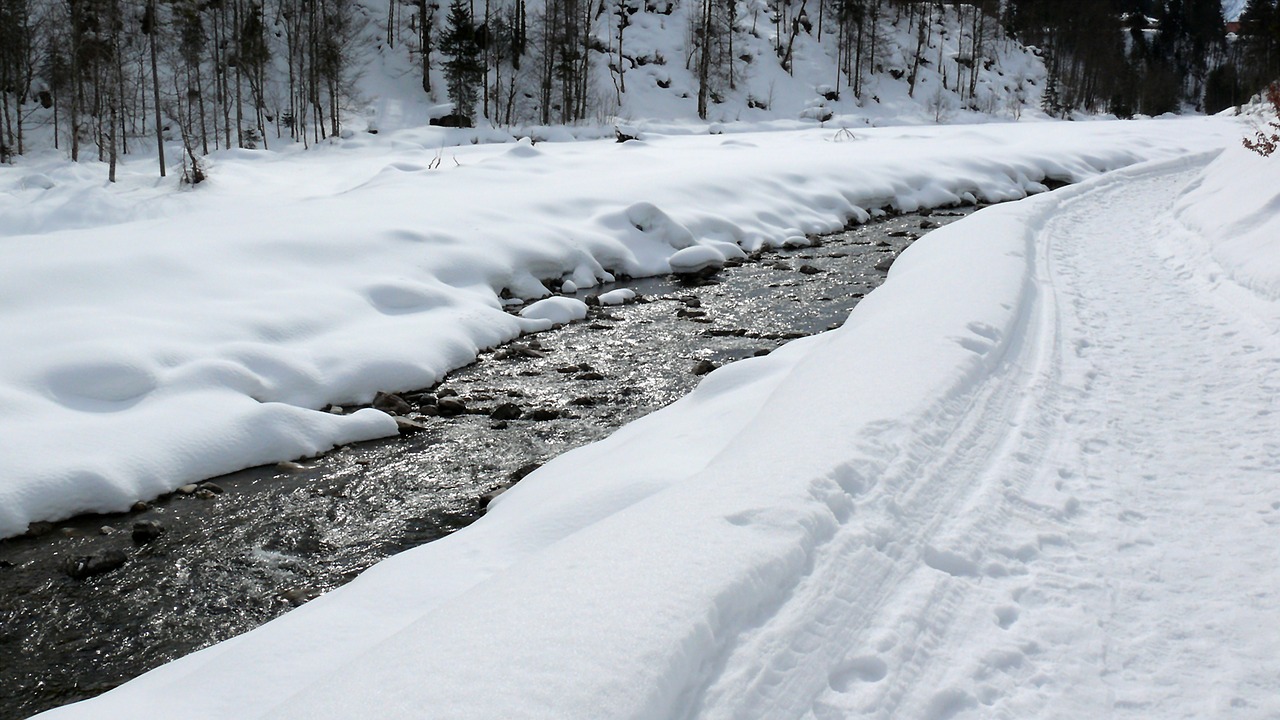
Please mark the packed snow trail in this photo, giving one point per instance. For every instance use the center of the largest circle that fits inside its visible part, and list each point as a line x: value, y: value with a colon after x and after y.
x: 1034, y: 475
x: 1118, y: 555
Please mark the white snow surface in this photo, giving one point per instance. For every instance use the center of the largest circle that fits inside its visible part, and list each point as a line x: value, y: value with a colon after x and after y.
x: 1034, y: 475
x: 1231, y: 9
x: 155, y: 336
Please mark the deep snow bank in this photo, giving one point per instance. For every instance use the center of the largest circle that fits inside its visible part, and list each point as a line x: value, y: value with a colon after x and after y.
x: 167, y: 337
x: 614, y: 581
x: 1234, y: 206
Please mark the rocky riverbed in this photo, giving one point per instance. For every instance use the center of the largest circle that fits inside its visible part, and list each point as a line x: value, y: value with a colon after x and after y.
x: 88, y: 603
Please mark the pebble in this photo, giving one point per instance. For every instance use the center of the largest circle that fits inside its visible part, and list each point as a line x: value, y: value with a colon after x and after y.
x: 36, y: 529
x: 407, y: 425
x: 391, y: 404
x: 140, y: 507
x: 810, y: 269
x: 702, y: 367
x: 298, y: 596
x: 147, y: 530
x: 287, y: 466
x: 450, y: 406
x: 506, y: 411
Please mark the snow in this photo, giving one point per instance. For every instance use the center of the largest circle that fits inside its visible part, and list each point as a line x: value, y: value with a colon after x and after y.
x: 1244, y: 247
x: 1033, y: 475
x: 170, y: 336
x: 163, y: 336
x: 620, y: 296
x: 555, y: 311
x: 1231, y: 9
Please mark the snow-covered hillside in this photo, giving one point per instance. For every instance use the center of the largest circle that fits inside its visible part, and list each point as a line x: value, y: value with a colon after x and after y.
x: 1034, y: 475
x: 1231, y: 9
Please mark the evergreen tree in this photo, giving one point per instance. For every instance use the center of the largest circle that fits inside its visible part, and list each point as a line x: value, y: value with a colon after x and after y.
x: 463, y: 71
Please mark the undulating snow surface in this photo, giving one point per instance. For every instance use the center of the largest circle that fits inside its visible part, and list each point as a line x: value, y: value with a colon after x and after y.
x: 1034, y: 475
x: 154, y: 336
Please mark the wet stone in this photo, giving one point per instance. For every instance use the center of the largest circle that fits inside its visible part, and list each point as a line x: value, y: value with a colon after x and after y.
x: 702, y: 367
x: 506, y: 411
x: 86, y: 566
x: 408, y: 425
x: 391, y: 404
x: 810, y: 269
x: 451, y: 406
x: 147, y: 530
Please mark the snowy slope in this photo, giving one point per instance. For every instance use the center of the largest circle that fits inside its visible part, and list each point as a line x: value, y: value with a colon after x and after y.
x: 661, y: 85
x: 1000, y: 489
x: 1231, y: 9
x: 162, y: 337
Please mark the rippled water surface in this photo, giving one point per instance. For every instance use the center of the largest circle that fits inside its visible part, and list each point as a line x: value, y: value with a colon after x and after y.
x: 278, y: 536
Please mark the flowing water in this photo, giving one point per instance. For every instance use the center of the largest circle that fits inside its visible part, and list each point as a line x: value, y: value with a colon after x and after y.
x: 277, y: 536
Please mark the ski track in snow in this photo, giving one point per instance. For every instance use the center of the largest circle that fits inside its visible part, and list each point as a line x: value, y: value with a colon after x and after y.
x: 1061, y: 561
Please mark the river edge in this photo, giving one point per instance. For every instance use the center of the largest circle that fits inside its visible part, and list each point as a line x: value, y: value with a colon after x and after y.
x: 76, y: 630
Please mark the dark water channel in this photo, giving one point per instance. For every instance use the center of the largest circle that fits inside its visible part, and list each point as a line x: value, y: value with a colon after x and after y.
x: 277, y: 536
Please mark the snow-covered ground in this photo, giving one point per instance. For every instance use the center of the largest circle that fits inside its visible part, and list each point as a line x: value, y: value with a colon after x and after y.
x: 154, y: 337
x: 1034, y: 475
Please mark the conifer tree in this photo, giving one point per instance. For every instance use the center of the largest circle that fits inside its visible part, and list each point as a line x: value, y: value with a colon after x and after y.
x: 463, y: 70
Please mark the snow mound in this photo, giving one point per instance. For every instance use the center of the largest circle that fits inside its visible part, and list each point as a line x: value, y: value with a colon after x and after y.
x: 556, y: 310
x: 617, y: 297
x: 693, y: 260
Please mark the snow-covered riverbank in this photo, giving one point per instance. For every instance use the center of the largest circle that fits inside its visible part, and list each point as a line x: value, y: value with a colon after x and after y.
x: 157, y: 337
x: 1034, y: 474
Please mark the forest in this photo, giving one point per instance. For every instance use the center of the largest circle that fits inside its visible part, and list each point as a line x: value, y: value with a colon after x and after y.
x: 100, y: 76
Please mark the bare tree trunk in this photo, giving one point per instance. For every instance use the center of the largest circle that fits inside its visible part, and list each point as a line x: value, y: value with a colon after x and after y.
x: 155, y: 87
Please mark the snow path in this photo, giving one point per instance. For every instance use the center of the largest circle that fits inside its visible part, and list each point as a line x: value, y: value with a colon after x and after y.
x: 1116, y: 556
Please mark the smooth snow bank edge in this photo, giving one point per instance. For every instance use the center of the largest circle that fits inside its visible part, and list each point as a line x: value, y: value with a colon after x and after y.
x: 653, y: 552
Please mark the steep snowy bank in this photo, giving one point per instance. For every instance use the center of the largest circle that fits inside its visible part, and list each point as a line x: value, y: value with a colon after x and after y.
x: 730, y: 552
x: 1239, y: 221
x: 151, y: 352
